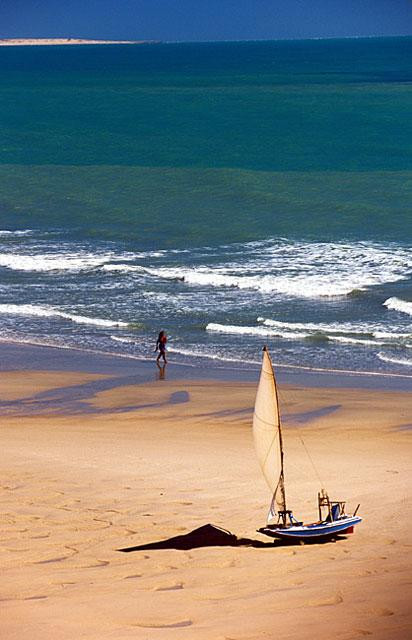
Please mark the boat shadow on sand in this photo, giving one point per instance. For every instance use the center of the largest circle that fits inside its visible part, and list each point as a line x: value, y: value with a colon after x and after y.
x: 210, y: 535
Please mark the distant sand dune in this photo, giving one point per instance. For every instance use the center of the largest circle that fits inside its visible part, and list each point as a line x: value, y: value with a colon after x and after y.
x: 19, y: 42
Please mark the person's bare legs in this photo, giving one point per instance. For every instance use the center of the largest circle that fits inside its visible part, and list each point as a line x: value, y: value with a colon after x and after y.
x: 162, y: 354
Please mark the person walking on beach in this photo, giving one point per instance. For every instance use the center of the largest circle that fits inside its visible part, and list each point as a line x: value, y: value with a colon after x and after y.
x: 161, y: 346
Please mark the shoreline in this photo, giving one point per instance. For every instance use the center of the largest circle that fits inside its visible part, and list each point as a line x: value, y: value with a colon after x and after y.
x: 17, y: 356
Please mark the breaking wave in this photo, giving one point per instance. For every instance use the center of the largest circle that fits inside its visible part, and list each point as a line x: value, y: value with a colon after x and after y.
x: 252, y: 331
x: 51, y: 261
x: 298, y: 285
x: 298, y: 269
x: 355, y: 334
x: 360, y: 341
x: 48, y: 312
x: 124, y: 340
x: 402, y: 361
x: 396, y: 304
x: 22, y: 232
x: 343, y: 332
x: 196, y: 353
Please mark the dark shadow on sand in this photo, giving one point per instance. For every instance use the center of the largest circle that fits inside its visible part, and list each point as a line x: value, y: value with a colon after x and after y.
x: 206, y: 536
x: 297, y: 418
x: 210, y: 535
x: 75, y: 399
x: 308, y: 416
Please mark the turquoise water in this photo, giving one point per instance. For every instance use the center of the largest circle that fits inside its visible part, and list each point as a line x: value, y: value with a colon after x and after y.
x: 230, y: 193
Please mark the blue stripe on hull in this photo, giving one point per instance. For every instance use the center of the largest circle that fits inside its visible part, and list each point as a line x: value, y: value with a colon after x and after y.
x: 312, y: 531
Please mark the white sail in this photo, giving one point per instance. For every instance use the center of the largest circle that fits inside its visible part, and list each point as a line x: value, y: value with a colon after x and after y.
x: 267, y: 434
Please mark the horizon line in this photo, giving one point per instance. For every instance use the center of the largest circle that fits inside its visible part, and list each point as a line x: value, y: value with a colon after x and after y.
x: 234, y: 40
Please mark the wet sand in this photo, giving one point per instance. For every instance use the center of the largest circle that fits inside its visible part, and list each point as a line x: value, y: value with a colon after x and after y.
x: 90, y: 467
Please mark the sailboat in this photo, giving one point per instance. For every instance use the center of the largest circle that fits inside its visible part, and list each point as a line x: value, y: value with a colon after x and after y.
x: 267, y: 433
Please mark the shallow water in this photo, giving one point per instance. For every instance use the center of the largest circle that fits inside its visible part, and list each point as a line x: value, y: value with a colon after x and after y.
x: 233, y: 194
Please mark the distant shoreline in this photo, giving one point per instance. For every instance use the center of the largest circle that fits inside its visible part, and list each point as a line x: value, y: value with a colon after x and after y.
x: 30, y: 42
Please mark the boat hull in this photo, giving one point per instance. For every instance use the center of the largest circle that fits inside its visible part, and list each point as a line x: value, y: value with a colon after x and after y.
x: 319, y: 531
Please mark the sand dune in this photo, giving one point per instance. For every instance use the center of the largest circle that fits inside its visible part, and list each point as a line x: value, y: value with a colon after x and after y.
x: 13, y: 42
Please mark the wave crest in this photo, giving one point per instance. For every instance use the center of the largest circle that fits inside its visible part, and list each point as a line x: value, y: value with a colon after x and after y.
x: 19, y: 232
x: 45, y: 311
x: 396, y: 304
x: 253, y: 331
x: 51, y: 262
x: 298, y: 269
x: 403, y: 361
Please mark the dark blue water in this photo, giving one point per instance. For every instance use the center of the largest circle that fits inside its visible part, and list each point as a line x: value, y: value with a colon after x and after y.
x: 230, y: 193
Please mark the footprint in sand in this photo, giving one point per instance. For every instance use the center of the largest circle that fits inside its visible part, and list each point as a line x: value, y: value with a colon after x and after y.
x: 383, y: 612
x: 50, y: 560
x: 171, y: 587
x: 238, y: 638
x: 162, y: 625
x: 327, y: 602
x: 109, y: 523
x: 98, y: 564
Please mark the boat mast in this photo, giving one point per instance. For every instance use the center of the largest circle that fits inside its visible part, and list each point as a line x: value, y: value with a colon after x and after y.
x: 280, y: 489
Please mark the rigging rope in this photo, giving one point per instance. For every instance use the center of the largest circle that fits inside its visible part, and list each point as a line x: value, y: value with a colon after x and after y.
x: 283, y: 399
x: 313, y: 464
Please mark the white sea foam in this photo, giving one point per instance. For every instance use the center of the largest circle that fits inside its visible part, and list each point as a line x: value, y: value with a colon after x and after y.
x: 288, y: 331
x: 396, y: 304
x: 47, y: 312
x: 124, y: 340
x: 359, y: 341
x: 343, y: 332
x: 307, y: 270
x: 195, y: 353
x: 20, y: 232
x: 299, y: 286
x: 52, y: 261
x: 299, y: 269
x: 402, y: 361
x: 123, y: 267
x: 392, y: 335
x: 342, y: 327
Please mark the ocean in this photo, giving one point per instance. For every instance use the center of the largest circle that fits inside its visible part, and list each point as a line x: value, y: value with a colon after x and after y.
x: 232, y: 194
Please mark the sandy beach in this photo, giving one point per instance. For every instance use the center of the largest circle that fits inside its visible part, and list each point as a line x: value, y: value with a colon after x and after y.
x: 89, y: 470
